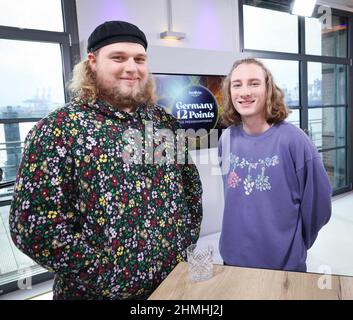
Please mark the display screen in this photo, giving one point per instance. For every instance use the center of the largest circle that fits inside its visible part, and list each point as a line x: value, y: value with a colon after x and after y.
x: 196, y: 101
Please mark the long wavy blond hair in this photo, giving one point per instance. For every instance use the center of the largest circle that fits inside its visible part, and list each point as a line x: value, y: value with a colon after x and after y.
x: 276, y: 109
x: 84, y: 85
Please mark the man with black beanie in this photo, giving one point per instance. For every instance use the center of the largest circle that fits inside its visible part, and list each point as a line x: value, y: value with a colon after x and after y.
x: 92, y: 202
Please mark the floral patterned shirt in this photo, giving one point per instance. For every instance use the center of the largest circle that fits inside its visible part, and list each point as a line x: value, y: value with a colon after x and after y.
x: 107, y: 228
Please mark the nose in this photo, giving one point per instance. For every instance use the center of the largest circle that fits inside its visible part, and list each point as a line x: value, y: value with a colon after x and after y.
x: 244, y: 91
x: 130, y: 65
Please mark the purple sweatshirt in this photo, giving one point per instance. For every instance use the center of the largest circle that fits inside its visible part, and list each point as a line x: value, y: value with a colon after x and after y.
x: 277, y: 197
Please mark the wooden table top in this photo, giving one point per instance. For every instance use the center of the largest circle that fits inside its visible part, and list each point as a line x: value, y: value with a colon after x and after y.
x: 250, y: 283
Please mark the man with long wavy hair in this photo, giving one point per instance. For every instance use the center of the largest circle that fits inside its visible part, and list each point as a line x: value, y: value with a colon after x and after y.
x: 90, y: 203
x: 277, y: 192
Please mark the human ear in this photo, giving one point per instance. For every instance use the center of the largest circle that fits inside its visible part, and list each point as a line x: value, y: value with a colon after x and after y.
x: 92, y: 59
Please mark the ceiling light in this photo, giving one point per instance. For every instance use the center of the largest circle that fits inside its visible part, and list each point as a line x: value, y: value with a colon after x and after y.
x: 303, y: 7
x: 170, y: 34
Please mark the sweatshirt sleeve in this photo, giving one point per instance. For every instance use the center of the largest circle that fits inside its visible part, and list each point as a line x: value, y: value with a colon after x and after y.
x: 44, y: 216
x: 315, y: 192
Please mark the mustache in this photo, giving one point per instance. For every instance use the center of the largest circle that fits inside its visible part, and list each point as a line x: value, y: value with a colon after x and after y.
x: 142, y: 94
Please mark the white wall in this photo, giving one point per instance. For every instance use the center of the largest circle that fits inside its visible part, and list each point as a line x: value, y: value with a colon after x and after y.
x: 211, y: 26
x: 206, y: 161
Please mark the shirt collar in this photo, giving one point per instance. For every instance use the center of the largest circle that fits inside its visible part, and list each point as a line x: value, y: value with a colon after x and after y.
x: 107, y: 109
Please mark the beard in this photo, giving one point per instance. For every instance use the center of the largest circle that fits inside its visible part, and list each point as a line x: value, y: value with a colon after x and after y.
x: 141, y: 94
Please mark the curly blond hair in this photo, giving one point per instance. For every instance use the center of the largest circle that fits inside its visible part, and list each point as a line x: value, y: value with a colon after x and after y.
x: 276, y: 109
x: 83, y: 84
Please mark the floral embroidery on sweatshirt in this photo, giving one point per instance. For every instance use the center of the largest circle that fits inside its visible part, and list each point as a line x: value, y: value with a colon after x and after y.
x: 255, y: 176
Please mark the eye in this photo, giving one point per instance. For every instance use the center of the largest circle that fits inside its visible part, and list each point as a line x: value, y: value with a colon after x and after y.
x: 118, y: 58
x: 255, y: 84
x: 140, y: 60
x: 236, y: 85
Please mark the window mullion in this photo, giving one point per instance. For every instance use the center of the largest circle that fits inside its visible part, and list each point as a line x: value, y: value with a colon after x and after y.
x: 13, y: 33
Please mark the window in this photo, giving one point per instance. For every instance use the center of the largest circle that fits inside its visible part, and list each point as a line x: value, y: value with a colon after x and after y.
x: 294, y: 117
x: 270, y: 30
x: 326, y: 41
x: 311, y: 62
x: 12, y: 137
x: 335, y: 162
x: 327, y: 84
x: 34, y: 14
x: 327, y: 127
x: 32, y: 80
x: 34, y: 71
x: 13, y: 262
x: 38, y: 44
x: 286, y: 76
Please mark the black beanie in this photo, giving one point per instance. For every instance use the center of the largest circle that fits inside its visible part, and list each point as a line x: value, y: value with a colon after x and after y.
x: 115, y: 31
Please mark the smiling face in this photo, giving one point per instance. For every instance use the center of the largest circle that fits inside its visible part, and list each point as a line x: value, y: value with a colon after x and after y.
x: 248, y: 91
x: 121, y: 72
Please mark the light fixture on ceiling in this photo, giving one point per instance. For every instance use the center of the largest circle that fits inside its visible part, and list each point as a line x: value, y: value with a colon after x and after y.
x: 303, y: 7
x: 170, y: 34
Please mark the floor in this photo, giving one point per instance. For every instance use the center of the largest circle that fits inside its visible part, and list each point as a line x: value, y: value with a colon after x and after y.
x: 331, y: 253
x: 332, y: 249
